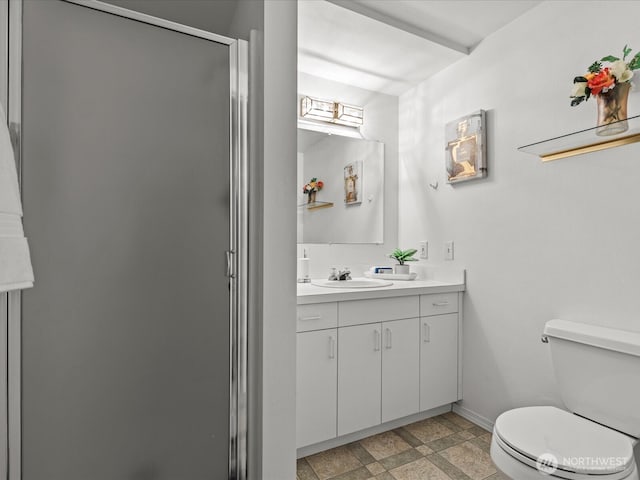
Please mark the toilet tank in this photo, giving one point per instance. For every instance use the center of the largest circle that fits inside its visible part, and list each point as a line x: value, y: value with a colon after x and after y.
x: 598, y: 372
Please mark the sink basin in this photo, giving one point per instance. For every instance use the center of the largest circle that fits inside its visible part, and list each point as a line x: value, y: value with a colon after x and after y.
x: 354, y: 283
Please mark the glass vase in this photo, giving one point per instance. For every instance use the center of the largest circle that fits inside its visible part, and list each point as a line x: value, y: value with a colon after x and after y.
x: 612, y: 110
x: 312, y: 197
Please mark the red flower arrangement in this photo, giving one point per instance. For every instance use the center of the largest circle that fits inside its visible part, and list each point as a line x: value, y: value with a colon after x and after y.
x: 598, y: 81
x: 601, y: 79
x: 314, y: 185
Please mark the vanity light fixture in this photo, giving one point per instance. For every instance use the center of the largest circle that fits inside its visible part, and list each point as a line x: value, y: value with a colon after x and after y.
x: 349, y: 115
x: 316, y: 109
x: 332, y: 112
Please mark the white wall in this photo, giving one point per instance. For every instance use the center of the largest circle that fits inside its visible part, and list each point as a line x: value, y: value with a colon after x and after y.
x: 380, y: 123
x: 540, y: 241
x: 278, y: 212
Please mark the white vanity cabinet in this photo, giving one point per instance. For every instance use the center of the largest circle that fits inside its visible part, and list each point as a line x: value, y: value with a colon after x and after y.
x: 359, y: 377
x: 378, y: 361
x: 316, y: 386
x: 378, y: 373
x: 365, y: 362
x: 400, y: 368
x: 316, y: 373
x: 439, y: 342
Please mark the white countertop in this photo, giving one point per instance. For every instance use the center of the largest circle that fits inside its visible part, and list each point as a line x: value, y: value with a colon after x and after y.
x: 309, y: 293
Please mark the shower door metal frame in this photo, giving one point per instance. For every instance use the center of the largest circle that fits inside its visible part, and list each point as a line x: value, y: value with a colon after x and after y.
x: 237, y: 268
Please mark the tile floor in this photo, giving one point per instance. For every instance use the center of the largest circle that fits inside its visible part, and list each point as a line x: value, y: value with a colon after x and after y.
x: 446, y: 447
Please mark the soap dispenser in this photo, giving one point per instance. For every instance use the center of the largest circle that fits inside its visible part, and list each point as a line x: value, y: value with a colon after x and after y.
x: 303, y: 269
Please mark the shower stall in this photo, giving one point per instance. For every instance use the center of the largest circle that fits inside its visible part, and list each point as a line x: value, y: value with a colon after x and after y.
x: 131, y: 136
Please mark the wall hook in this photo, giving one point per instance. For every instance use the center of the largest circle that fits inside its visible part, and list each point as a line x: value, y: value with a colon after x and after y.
x: 435, y: 187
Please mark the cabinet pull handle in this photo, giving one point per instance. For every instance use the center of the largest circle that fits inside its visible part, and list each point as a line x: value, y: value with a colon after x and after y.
x: 376, y: 340
x: 332, y: 347
x: 440, y: 304
x: 427, y: 333
x: 389, y: 338
x: 306, y: 319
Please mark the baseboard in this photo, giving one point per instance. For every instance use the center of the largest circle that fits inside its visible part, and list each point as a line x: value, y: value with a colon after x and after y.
x: 359, y: 435
x: 473, y: 417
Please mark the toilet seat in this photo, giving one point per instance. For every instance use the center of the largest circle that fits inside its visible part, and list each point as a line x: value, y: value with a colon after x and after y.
x: 581, y: 448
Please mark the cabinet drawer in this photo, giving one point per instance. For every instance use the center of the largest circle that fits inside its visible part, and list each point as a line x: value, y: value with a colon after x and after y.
x: 317, y: 316
x: 438, y: 304
x: 357, y: 312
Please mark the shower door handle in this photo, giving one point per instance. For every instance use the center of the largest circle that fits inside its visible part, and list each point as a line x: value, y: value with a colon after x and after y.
x: 230, y: 254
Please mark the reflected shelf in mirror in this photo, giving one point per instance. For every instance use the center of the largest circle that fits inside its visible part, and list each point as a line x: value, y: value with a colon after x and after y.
x: 316, y: 205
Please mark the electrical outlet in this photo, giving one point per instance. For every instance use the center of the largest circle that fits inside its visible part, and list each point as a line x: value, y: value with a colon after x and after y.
x: 424, y: 249
x: 448, y: 250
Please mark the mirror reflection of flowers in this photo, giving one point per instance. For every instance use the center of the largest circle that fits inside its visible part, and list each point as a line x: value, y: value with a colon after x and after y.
x: 314, y: 185
x: 601, y: 79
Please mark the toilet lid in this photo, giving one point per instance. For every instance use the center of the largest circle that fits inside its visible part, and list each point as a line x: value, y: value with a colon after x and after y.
x: 577, y: 445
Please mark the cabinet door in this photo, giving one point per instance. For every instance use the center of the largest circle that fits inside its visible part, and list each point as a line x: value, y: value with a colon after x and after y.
x: 438, y: 360
x: 316, y: 386
x: 359, y: 382
x: 400, y: 368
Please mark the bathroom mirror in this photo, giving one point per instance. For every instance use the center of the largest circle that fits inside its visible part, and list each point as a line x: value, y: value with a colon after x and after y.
x: 349, y: 206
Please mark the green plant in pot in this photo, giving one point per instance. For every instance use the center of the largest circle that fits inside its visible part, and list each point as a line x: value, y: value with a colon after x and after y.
x: 402, y: 256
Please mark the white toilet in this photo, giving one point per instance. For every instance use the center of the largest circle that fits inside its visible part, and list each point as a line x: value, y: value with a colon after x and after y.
x: 598, y: 372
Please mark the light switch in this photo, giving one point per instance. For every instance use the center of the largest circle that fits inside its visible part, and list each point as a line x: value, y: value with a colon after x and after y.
x: 424, y: 249
x: 448, y: 250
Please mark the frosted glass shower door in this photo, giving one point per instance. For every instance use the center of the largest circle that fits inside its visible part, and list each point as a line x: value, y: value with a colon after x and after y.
x: 126, y: 182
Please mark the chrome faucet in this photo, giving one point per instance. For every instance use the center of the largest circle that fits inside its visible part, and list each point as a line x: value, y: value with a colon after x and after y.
x: 340, y: 275
x: 344, y: 274
x: 333, y: 275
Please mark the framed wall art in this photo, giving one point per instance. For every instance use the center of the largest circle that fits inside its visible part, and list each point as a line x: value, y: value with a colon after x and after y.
x: 353, y: 183
x: 465, y: 148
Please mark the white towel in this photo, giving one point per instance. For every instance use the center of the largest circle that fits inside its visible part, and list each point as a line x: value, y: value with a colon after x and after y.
x: 10, y: 226
x: 9, y: 193
x: 15, y: 262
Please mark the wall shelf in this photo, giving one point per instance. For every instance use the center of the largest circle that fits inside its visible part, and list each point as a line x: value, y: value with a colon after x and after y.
x: 585, y: 141
x: 316, y: 205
